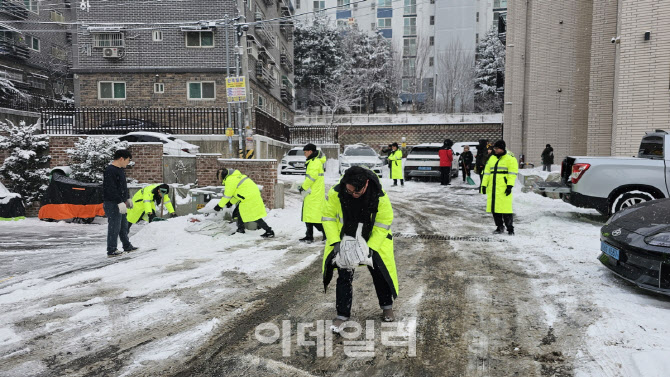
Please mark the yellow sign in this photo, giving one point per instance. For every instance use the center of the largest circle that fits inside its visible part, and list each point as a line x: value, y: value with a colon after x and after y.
x: 236, y: 89
x: 230, y: 132
x: 199, y: 206
x: 404, y: 145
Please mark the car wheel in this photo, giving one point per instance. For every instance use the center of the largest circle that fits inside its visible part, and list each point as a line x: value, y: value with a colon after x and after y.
x: 631, y: 198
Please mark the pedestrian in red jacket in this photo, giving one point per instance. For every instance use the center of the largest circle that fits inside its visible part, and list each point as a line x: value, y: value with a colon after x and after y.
x: 446, y: 159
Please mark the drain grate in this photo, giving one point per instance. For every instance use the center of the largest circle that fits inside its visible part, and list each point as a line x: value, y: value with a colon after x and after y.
x: 441, y: 237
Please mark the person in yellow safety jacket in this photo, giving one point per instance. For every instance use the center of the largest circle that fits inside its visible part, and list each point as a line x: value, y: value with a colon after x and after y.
x: 314, y: 191
x: 359, y: 198
x: 147, y: 200
x: 396, y: 165
x: 499, y: 179
x: 244, y: 192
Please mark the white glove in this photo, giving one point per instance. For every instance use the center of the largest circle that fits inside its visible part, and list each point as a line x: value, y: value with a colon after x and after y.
x: 304, y: 193
x: 129, y: 204
x: 122, y: 208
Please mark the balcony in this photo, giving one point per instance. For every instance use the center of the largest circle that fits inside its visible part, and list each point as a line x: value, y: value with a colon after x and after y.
x: 286, y: 29
x: 286, y: 61
x: 9, y: 47
x: 13, y: 9
x: 263, y: 75
x: 286, y: 95
x: 264, y: 32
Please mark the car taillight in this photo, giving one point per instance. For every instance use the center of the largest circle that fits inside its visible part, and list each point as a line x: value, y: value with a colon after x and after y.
x: 578, y: 171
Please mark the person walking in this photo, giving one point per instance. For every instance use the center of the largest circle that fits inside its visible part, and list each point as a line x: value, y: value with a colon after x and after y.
x: 314, y: 191
x: 115, y: 202
x: 547, y: 158
x: 499, y: 179
x: 466, y: 162
x: 147, y: 200
x: 244, y: 192
x: 446, y: 159
x: 481, y: 158
x: 396, y: 165
x: 359, y: 198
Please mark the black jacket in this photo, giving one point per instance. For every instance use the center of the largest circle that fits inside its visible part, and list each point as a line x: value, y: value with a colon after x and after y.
x: 114, y: 186
x: 466, y: 159
x: 548, y: 156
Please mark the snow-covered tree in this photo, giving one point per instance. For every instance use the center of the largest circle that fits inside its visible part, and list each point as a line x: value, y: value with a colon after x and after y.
x: 490, y: 61
x: 455, y: 76
x: 24, y: 170
x: 90, y: 156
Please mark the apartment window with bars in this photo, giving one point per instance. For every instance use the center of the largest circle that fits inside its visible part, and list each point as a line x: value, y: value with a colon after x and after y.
x: 108, y: 40
x: 409, y: 47
x: 202, y: 90
x: 410, y: 26
x: 200, y: 39
x: 410, y: 6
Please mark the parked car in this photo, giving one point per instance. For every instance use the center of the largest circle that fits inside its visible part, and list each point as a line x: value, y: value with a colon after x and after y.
x: 360, y: 155
x: 635, y: 244
x: 610, y: 184
x: 60, y: 124
x: 458, y: 149
x: 171, y: 145
x: 293, y: 161
x: 122, y: 126
x: 423, y: 162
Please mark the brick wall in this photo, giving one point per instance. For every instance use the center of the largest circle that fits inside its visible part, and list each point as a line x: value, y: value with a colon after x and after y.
x: 381, y: 135
x: 206, y: 165
x: 262, y: 172
x: 148, y: 158
x: 58, y: 145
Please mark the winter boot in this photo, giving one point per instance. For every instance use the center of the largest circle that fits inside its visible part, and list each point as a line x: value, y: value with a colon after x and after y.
x: 499, y: 230
x: 307, y: 240
x: 268, y: 234
x: 114, y: 253
x: 131, y: 248
x: 388, y: 315
x: 511, y: 232
x: 239, y: 230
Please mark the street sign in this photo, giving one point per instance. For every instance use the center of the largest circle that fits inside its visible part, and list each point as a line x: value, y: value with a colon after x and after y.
x: 236, y: 89
x: 230, y: 132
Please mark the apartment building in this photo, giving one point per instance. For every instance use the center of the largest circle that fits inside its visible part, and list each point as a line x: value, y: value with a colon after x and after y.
x: 35, y: 52
x: 172, y: 54
x: 586, y: 77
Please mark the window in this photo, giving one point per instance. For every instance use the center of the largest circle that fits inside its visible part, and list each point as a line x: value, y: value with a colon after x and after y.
x: 342, y: 23
x: 410, y: 26
x: 384, y: 3
x: 319, y: 5
x: 410, y: 6
x: 37, y: 83
x: 343, y: 4
x: 431, y: 40
x: 432, y: 20
x: 409, y: 47
x: 406, y: 85
x: 111, y: 90
x: 159, y: 87
x: 199, y: 39
x: 373, y: 26
x: 384, y: 23
x: 651, y: 147
x: 477, y: 16
x: 261, y: 102
x: 33, y: 43
x: 476, y: 38
x: 31, y: 5
x: 205, y: 90
x: 297, y: 4
x: 409, y: 67
x: 157, y: 35
x: 431, y: 61
x: 108, y: 40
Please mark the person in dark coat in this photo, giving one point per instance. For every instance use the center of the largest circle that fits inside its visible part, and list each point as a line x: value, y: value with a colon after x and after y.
x: 116, y: 201
x: 466, y: 162
x: 482, y: 157
x: 446, y: 159
x: 547, y: 158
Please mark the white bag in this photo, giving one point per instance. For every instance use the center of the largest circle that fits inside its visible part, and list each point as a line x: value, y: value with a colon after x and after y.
x: 353, y: 251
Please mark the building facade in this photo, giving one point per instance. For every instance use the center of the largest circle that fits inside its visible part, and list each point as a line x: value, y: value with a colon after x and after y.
x: 35, y: 53
x: 164, y: 55
x: 586, y: 77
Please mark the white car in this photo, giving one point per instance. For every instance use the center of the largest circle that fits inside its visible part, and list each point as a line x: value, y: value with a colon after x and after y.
x: 360, y: 155
x: 171, y: 145
x: 457, y: 148
x: 293, y: 161
x: 423, y: 161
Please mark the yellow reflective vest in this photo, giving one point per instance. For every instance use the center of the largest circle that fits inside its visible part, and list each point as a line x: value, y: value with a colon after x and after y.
x: 321, y: 156
x: 313, y: 204
x: 144, y: 203
x: 241, y: 189
x: 381, y: 238
x: 396, y: 164
x: 499, y: 173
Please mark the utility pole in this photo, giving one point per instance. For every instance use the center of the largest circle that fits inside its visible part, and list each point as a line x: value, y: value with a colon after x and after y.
x: 230, y: 114
x: 240, y: 28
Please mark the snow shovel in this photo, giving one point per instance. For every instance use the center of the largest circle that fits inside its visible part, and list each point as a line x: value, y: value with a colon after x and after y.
x: 470, y: 181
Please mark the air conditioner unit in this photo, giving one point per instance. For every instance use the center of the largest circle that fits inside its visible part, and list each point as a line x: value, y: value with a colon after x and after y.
x: 110, y: 52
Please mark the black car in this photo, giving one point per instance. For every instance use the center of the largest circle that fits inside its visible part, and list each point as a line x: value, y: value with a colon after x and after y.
x: 123, y: 126
x: 635, y: 244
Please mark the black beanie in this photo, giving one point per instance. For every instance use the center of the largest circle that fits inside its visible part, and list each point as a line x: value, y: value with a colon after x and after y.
x: 500, y: 144
x: 309, y: 147
x: 394, y: 145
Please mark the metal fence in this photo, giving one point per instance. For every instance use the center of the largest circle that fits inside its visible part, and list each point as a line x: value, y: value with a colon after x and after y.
x: 29, y: 102
x: 313, y: 134
x: 268, y: 126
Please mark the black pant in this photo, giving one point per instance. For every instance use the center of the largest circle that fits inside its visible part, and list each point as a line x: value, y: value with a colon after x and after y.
x: 240, y: 224
x: 504, y: 218
x: 445, y: 175
x: 344, y: 291
x: 466, y: 173
x: 310, y: 230
x: 481, y: 179
x: 395, y: 182
x: 546, y: 167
